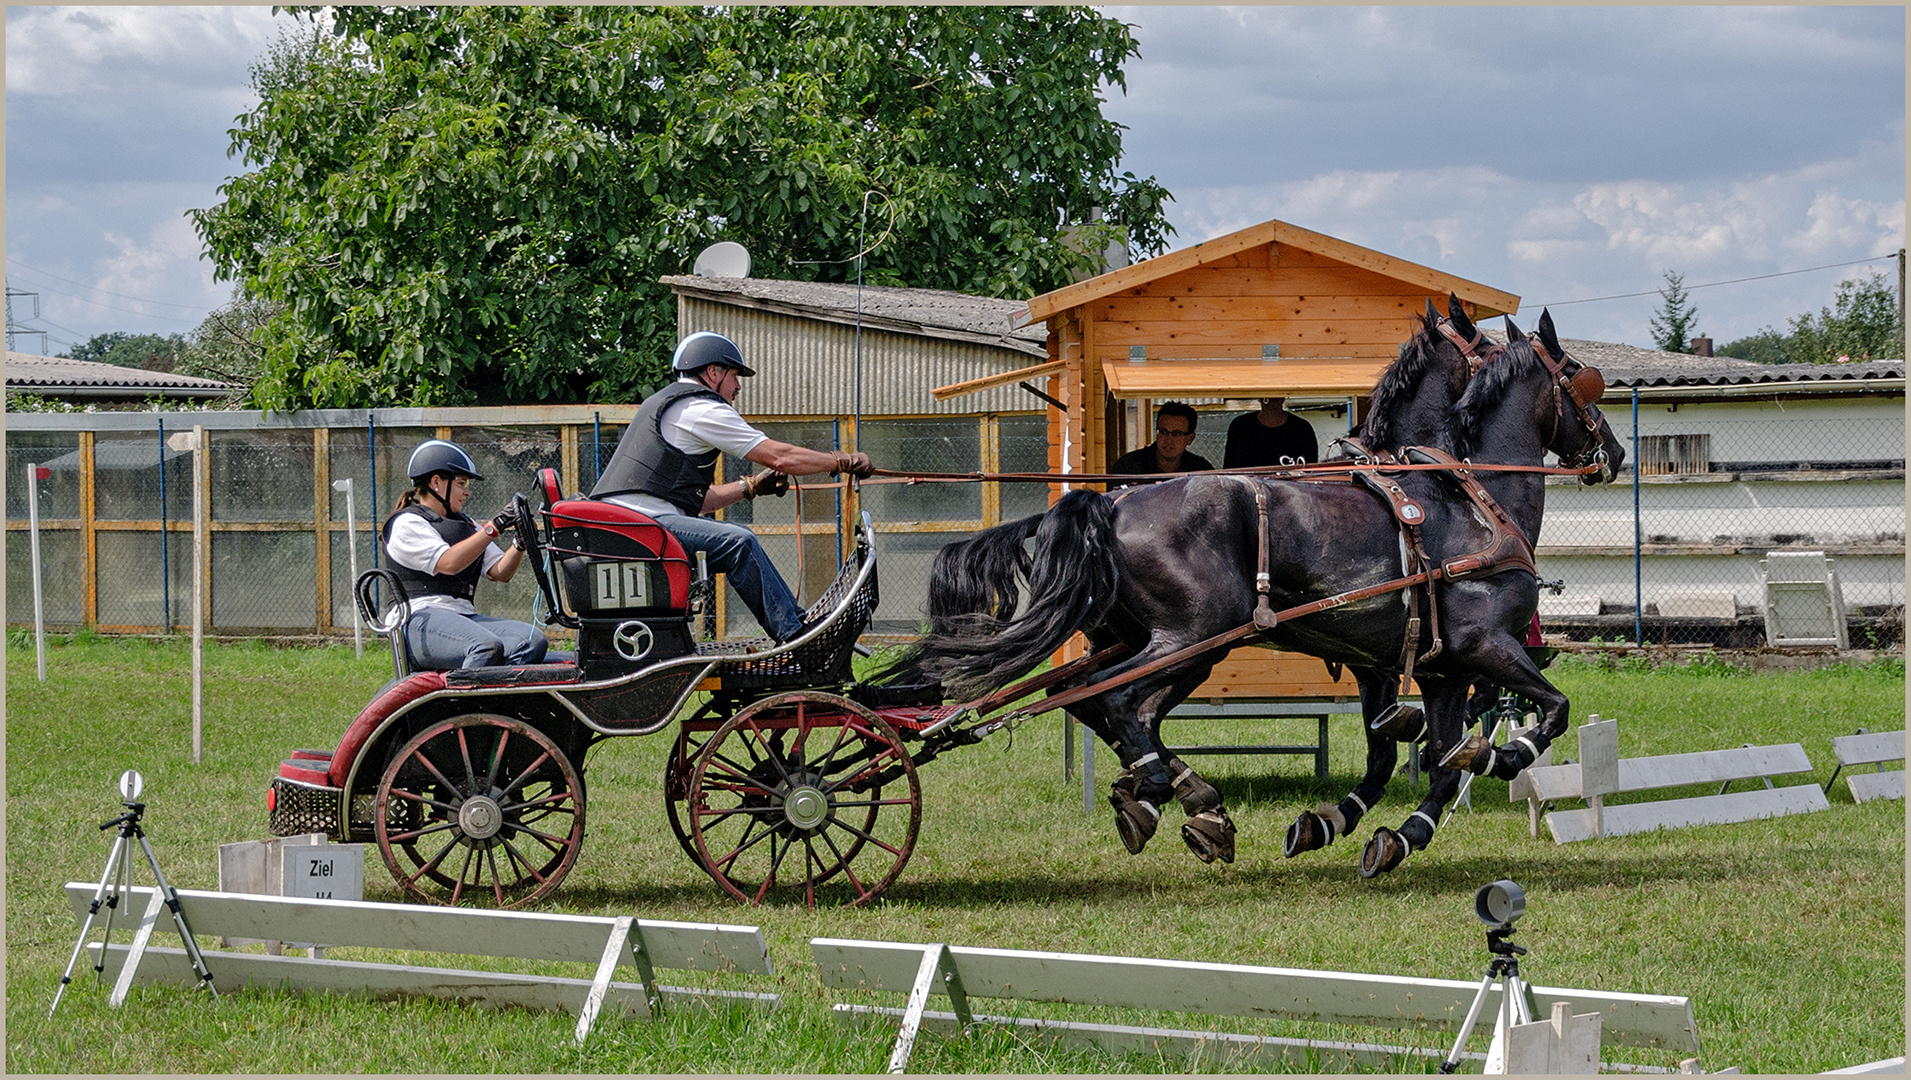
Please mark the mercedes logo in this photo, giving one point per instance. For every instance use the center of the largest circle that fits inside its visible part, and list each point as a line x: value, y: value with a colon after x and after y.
x: 632, y: 640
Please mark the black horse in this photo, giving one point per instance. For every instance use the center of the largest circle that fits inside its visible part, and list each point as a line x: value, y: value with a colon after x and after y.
x: 1167, y: 567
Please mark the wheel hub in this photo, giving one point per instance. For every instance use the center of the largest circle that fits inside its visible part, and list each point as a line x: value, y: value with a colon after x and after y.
x: 480, y: 818
x: 806, y: 807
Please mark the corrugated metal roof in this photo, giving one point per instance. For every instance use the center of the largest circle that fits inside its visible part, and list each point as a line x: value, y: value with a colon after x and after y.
x: 934, y: 313
x: 58, y: 375
x: 1630, y: 366
x: 807, y: 364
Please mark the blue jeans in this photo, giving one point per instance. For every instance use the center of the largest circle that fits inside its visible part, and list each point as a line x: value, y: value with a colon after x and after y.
x: 440, y: 640
x: 734, y: 550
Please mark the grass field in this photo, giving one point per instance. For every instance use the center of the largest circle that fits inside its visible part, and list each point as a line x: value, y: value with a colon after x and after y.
x: 1788, y: 935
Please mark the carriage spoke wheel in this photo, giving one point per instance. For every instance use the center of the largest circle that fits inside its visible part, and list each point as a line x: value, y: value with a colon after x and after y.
x: 480, y: 809
x: 790, y: 792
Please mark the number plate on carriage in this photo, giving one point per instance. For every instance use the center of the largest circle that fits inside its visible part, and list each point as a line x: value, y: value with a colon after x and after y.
x: 620, y: 585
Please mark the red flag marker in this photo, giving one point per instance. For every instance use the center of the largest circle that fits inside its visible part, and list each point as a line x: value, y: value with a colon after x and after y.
x: 41, y: 472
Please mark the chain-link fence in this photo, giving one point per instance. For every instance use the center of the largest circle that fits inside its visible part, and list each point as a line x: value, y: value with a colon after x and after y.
x: 1678, y: 552
x: 116, y: 508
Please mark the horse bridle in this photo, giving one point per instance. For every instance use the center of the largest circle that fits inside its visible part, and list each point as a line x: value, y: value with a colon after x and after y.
x: 1583, y: 387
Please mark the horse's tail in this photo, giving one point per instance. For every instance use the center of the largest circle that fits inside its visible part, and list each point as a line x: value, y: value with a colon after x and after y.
x: 1071, y: 585
x: 975, y: 584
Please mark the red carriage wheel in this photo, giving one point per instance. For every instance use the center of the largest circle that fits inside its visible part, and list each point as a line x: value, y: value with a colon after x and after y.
x: 787, y: 794
x: 480, y: 808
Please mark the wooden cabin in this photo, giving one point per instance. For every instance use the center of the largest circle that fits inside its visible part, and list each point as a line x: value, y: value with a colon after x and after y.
x: 1273, y: 310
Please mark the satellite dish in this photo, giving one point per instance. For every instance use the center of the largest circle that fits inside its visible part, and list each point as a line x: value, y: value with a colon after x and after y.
x: 725, y: 258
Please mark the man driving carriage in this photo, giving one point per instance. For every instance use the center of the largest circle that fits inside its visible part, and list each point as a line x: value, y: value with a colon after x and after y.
x: 438, y: 554
x: 665, y: 467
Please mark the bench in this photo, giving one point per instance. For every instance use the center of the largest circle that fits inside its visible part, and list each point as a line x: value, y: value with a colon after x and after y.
x: 1265, y: 710
x: 1870, y: 748
x: 1601, y: 772
x: 963, y: 974
x: 606, y: 943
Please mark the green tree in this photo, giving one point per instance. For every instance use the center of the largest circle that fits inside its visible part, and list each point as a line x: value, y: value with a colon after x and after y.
x: 473, y: 204
x: 1767, y: 346
x: 228, y: 345
x: 1861, y: 325
x: 1676, y: 322
x: 152, y: 352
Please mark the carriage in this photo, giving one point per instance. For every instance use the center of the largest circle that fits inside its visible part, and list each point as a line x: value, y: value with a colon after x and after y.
x: 787, y: 777
x: 790, y: 771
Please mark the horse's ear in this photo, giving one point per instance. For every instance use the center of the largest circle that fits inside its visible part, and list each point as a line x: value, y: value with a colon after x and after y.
x: 1458, y: 314
x: 1513, y: 332
x: 1432, y: 315
x: 1547, y: 335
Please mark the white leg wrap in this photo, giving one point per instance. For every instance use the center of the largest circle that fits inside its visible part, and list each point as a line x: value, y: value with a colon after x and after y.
x: 1150, y: 807
x: 1528, y: 743
x: 1422, y: 815
x: 1336, y: 822
x: 1145, y: 759
x: 1358, y: 801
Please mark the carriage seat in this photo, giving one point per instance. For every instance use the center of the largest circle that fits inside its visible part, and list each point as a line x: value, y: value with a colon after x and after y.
x: 547, y: 674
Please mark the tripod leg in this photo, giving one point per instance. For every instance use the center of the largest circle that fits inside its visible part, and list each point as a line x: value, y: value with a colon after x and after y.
x: 1452, y: 1063
x: 179, y: 919
x: 122, y: 891
x: 86, y: 927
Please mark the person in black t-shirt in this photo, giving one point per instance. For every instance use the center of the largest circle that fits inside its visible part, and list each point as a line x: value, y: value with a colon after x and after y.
x: 1174, y: 430
x: 1265, y: 437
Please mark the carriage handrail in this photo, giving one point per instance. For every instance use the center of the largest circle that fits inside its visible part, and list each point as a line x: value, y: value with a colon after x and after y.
x: 866, y: 547
x: 401, y: 605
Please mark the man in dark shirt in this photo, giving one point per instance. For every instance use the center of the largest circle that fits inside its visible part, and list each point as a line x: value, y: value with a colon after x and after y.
x: 1265, y: 437
x: 1174, y: 430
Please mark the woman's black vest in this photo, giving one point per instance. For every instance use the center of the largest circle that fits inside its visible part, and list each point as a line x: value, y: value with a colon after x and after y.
x: 646, y: 462
x: 462, y: 585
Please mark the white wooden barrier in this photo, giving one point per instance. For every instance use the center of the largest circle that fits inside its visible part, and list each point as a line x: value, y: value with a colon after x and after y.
x: 604, y: 942
x: 1870, y: 748
x: 1602, y: 772
x: 1387, y: 1001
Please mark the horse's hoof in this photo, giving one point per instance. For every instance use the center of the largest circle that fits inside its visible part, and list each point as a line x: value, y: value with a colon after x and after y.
x: 1135, y: 820
x: 1475, y: 755
x: 1382, y: 853
x: 1400, y: 722
x: 1210, y: 835
x: 1308, y: 833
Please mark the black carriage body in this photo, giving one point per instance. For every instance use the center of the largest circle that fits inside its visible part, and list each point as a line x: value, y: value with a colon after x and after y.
x: 627, y: 580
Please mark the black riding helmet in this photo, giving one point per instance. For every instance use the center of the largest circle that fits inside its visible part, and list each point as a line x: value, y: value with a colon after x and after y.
x: 435, y: 456
x: 704, y: 348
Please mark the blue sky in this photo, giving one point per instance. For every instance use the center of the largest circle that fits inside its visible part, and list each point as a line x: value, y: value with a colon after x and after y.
x: 1560, y: 153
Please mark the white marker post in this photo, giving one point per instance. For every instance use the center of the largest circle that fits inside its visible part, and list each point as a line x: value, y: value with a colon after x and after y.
x: 35, y: 474
x: 185, y: 442
x: 351, y: 545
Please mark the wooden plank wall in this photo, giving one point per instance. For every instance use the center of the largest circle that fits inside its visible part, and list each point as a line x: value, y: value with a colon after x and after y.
x: 1308, y: 304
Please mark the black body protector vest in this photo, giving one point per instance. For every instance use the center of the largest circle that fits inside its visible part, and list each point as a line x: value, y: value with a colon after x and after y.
x: 462, y: 585
x: 646, y: 463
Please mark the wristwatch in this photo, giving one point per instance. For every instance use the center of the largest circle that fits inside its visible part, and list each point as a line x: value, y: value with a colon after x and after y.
x: 490, y: 530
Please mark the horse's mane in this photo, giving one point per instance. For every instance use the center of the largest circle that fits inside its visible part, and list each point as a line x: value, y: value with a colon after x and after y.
x: 1467, y: 421
x: 1399, y: 383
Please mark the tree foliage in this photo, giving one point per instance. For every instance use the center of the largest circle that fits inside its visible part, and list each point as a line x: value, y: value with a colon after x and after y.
x: 473, y: 204
x: 1862, y: 324
x: 151, y: 352
x: 1675, y: 323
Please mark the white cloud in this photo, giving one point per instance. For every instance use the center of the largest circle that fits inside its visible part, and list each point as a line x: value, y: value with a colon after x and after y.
x: 85, y: 51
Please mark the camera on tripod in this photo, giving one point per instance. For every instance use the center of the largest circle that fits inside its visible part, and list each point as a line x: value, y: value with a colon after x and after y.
x: 1499, y: 905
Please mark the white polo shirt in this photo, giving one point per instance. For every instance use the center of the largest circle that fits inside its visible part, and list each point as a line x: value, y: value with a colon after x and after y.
x: 415, y: 545
x: 696, y: 426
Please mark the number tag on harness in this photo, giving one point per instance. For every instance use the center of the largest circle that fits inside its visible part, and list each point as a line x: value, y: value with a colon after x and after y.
x: 620, y: 585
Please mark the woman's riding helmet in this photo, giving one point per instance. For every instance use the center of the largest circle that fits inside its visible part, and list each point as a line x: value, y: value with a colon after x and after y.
x: 704, y: 348
x: 438, y: 456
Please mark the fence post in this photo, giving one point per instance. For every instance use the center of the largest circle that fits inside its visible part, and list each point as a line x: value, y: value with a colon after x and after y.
x: 1638, y: 527
x: 36, y: 473
x: 165, y: 550
x: 200, y: 498
x: 351, y: 546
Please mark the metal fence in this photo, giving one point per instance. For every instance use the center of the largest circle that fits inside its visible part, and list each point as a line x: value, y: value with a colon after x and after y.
x: 116, y: 507
x: 1670, y: 553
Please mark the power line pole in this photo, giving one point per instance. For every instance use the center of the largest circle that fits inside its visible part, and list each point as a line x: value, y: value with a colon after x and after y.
x: 1901, y: 349
x: 14, y: 327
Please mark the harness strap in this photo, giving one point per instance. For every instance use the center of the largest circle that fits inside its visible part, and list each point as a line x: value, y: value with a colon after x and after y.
x: 1264, y: 617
